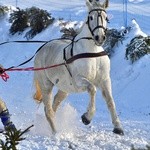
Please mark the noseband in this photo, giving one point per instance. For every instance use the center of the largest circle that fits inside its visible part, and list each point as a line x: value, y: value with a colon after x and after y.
x: 98, y: 26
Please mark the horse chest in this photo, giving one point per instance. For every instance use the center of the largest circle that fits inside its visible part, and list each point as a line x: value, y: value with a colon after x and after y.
x: 86, y: 68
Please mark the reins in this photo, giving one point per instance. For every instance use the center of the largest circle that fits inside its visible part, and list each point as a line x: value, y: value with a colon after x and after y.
x: 68, y: 61
x: 22, y: 42
x: 45, y: 42
x: 3, y: 71
x: 5, y: 77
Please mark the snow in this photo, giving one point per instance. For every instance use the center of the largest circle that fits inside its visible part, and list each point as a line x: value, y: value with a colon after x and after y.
x: 130, y: 84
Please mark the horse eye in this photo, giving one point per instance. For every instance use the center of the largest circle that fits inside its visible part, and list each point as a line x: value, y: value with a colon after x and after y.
x: 90, y: 1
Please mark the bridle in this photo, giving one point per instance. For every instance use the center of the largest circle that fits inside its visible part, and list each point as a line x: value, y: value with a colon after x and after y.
x: 99, y: 11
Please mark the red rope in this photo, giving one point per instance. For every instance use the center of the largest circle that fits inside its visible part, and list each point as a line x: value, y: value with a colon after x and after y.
x: 70, y: 60
x: 34, y: 69
x: 5, y: 76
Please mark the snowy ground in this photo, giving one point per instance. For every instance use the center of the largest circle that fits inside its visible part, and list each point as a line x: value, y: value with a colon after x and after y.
x: 131, y: 84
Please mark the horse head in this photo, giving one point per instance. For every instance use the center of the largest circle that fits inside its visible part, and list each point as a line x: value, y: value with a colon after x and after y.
x: 97, y: 20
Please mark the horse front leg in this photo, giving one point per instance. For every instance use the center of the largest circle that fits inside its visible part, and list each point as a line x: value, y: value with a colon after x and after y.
x: 91, y: 89
x: 58, y: 98
x: 107, y: 94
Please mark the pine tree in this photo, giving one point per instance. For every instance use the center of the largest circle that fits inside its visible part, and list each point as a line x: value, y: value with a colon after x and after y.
x: 137, y: 48
x: 68, y: 33
x: 12, y: 138
x: 19, y: 20
x: 35, y: 18
x: 113, y: 36
x: 39, y: 20
x: 147, y: 148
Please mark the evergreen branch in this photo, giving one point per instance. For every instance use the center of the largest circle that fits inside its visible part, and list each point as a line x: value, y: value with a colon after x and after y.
x: 12, y: 138
x: 26, y: 130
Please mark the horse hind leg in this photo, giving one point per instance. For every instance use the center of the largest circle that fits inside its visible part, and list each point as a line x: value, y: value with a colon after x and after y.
x: 44, y: 93
x: 47, y: 100
x: 59, y: 97
x: 107, y: 94
x: 38, y: 94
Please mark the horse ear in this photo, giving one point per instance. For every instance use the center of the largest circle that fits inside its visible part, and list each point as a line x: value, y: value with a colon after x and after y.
x: 106, y: 4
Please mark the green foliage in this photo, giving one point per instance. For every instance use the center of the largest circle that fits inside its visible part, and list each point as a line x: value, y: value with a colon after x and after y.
x: 113, y: 36
x: 137, y: 48
x: 68, y: 33
x: 147, y: 40
x: 35, y: 18
x: 38, y: 19
x: 147, y: 148
x: 12, y: 139
x: 3, y: 10
x: 19, y: 20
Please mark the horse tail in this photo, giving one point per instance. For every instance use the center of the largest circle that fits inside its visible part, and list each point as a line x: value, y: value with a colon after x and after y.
x: 38, y: 94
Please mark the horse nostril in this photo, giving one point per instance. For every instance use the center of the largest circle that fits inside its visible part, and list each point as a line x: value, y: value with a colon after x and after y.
x: 104, y: 38
x: 96, y: 37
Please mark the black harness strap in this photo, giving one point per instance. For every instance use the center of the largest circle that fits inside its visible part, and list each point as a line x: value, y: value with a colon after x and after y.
x: 64, y: 50
x: 71, y: 51
x: 22, y: 42
x: 72, y: 45
x: 86, y: 55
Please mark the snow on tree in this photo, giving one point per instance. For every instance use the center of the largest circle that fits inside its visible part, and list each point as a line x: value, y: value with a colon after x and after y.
x: 35, y: 18
x: 19, y: 20
x: 137, y: 48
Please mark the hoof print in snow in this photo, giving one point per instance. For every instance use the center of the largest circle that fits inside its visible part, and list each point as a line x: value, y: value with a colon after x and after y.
x: 85, y: 120
x: 118, y: 131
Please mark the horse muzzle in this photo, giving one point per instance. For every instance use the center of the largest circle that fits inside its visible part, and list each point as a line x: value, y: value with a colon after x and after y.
x: 99, y: 40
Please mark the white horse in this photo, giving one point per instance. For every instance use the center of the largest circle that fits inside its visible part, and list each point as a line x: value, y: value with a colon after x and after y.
x: 84, y: 74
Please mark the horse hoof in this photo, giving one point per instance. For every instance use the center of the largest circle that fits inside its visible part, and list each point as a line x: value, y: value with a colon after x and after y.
x: 118, y: 131
x: 85, y: 120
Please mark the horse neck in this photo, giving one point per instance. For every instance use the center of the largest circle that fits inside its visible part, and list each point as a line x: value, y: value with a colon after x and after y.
x: 84, y: 32
x: 88, y: 45
x: 81, y: 38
